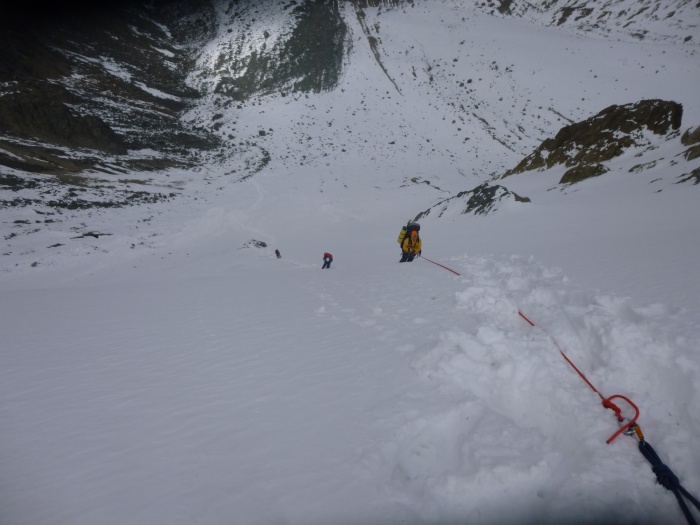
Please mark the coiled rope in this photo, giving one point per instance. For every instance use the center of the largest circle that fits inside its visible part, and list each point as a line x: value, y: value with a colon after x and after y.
x: 669, y: 480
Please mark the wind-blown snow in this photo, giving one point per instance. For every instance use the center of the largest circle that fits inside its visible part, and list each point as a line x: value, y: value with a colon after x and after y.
x: 172, y: 372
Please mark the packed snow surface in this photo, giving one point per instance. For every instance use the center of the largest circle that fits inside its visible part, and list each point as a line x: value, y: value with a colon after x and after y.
x: 176, y: 371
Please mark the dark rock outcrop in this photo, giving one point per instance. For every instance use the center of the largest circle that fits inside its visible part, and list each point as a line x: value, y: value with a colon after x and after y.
x: 603, y: 137
x: 482, y: 200
x: 579, y: 173
x: 693, y: 176
x: 41, y: 112
x: 80, y: 84
x: 307, y: 57
x: 691, y: 138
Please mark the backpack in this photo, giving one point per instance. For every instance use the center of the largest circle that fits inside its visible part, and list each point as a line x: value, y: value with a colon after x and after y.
x: 406, y: 230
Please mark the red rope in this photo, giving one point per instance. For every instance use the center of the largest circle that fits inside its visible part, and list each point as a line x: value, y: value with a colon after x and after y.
x: 607, y: 402
x: 440, y: 265
x: 523, y: 316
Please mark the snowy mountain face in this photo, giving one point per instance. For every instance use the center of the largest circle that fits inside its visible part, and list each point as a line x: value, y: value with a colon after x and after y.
x: 100, y: 90
x: 669, y: 22
x: 130, y: 104
x: 126, y: 104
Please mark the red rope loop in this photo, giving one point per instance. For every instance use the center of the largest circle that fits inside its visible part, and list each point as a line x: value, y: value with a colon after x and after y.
x: 626, y: 426
x: 607, y: 402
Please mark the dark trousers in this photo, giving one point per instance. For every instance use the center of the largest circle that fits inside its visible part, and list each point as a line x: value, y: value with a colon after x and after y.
x: 406, y: 257
x: 326, y: 263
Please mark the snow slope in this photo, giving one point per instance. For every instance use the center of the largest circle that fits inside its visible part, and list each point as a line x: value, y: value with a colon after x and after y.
x: 268, y: 391
x: 174, y: 372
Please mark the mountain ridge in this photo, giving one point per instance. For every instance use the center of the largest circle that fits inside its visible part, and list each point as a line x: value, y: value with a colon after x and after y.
x: 203, y: 106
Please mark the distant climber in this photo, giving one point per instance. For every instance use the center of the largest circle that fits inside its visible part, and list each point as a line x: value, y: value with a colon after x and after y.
x: 278, y: 254
x: 327, y: 260
x: 411, y: 244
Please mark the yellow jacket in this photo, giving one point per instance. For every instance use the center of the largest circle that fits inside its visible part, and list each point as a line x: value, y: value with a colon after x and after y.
x: 409, y: 245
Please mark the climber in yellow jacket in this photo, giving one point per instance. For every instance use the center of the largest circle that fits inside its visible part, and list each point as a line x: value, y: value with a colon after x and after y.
x: 410, y: 247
